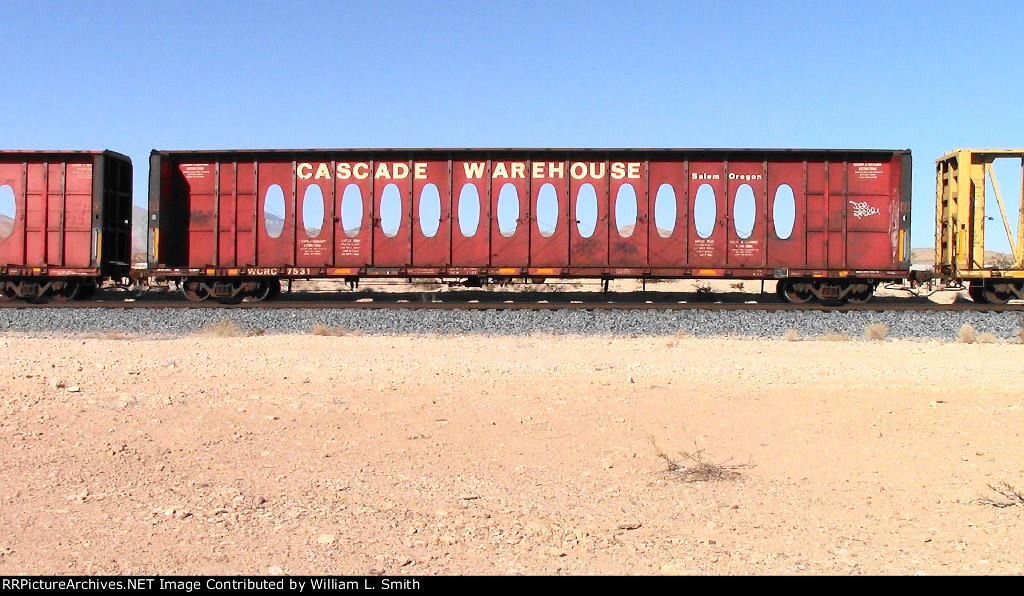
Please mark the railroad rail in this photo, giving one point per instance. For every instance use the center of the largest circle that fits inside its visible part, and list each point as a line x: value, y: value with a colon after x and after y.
x: 515, y: 301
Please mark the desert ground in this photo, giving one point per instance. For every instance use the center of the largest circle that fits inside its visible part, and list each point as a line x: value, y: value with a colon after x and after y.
x: 318, y: 454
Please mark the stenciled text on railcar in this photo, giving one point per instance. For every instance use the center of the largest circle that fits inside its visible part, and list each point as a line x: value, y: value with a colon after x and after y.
x: 578, y: 170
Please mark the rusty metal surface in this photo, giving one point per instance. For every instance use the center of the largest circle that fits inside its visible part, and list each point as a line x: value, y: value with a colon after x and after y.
x: 848, y: 206
x: 72, y: 210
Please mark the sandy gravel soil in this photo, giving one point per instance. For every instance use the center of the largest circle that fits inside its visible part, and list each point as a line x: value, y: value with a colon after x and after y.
x: 530, y: 455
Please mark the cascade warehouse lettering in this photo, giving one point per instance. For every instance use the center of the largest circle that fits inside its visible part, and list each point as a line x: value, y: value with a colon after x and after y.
x: 399, y: 170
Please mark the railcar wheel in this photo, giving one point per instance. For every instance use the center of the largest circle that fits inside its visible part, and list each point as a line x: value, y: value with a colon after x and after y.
x: 794, y: 292
x: 989, y: 292
x: 66, y: 293
x: 859, y: 297
x: 194, y: 291
x: 995, y: 296
x: 268, y: 289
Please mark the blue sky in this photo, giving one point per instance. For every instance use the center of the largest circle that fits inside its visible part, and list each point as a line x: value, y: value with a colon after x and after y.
x: 133, y: 76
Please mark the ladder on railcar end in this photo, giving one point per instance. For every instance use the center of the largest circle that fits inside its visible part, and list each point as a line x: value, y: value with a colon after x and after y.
x: 960, y: 195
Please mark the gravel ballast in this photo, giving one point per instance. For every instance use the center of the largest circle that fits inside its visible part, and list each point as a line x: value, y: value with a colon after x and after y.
x: 752, y: 323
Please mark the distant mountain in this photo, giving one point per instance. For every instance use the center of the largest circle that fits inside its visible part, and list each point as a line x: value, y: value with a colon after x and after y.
x: 6, y: 226
x: 139, y: 231
x: 275, y: 225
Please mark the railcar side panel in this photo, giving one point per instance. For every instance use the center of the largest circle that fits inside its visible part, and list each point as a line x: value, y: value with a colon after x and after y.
x: 471, y: 202
x: 746, y: 181
x: 431, y: 214
x: 669, y: 197
x: 549, y: 228
x: 226, y: 214
x: 275, y: 237
x: 873, y: 206
x: 353, y: 223
x: 70, y: 228
x: 628, y: 239
x: 392, y: 215
x: 239, y: 226
x: 816, y: 216
x: 707, y: 202
x: 588, y: 233
x: 510, y: 209
x: 35, y: 215
x: 787, y: 219
x: 201, y: 180
x: 836, y: 215
x: 315, y: 235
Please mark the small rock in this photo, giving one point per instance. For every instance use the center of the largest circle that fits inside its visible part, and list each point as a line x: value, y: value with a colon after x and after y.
x: 275, y: 570
x: 672, y: 569
x: 325, y: 539
x: 446, y: 539
x: 74, y: 389
x: 556, y: 552
x: 629, y: 525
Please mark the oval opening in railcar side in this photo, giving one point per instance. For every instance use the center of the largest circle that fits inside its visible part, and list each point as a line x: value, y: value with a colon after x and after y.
x: 508, y: 210
x: 390, y: 211
x: 313, y: 210
x: 784, y: 212
x: 744, y: 212
x: 430, y: 210
x: 8, y: 210
x: 469, y: 210
x: 274, y: 211
x: 625, y: 210
x: 547, y: 210
x: 586, y: 210
x: 352, y: 210
x: 705, y: 211
x: 665, y: 210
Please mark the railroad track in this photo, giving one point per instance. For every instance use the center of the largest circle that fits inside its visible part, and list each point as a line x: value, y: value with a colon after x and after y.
x: 509, y: 301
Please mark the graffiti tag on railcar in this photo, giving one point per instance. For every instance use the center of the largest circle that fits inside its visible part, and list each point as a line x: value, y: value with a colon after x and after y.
x: 862, y: 209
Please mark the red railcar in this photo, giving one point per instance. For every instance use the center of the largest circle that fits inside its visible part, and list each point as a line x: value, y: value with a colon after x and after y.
x: 826, y: 223
x: 65, y: 222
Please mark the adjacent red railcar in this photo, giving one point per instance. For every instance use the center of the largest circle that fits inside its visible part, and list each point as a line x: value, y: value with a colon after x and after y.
x: 829, y: 224
x: 65, y: 222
